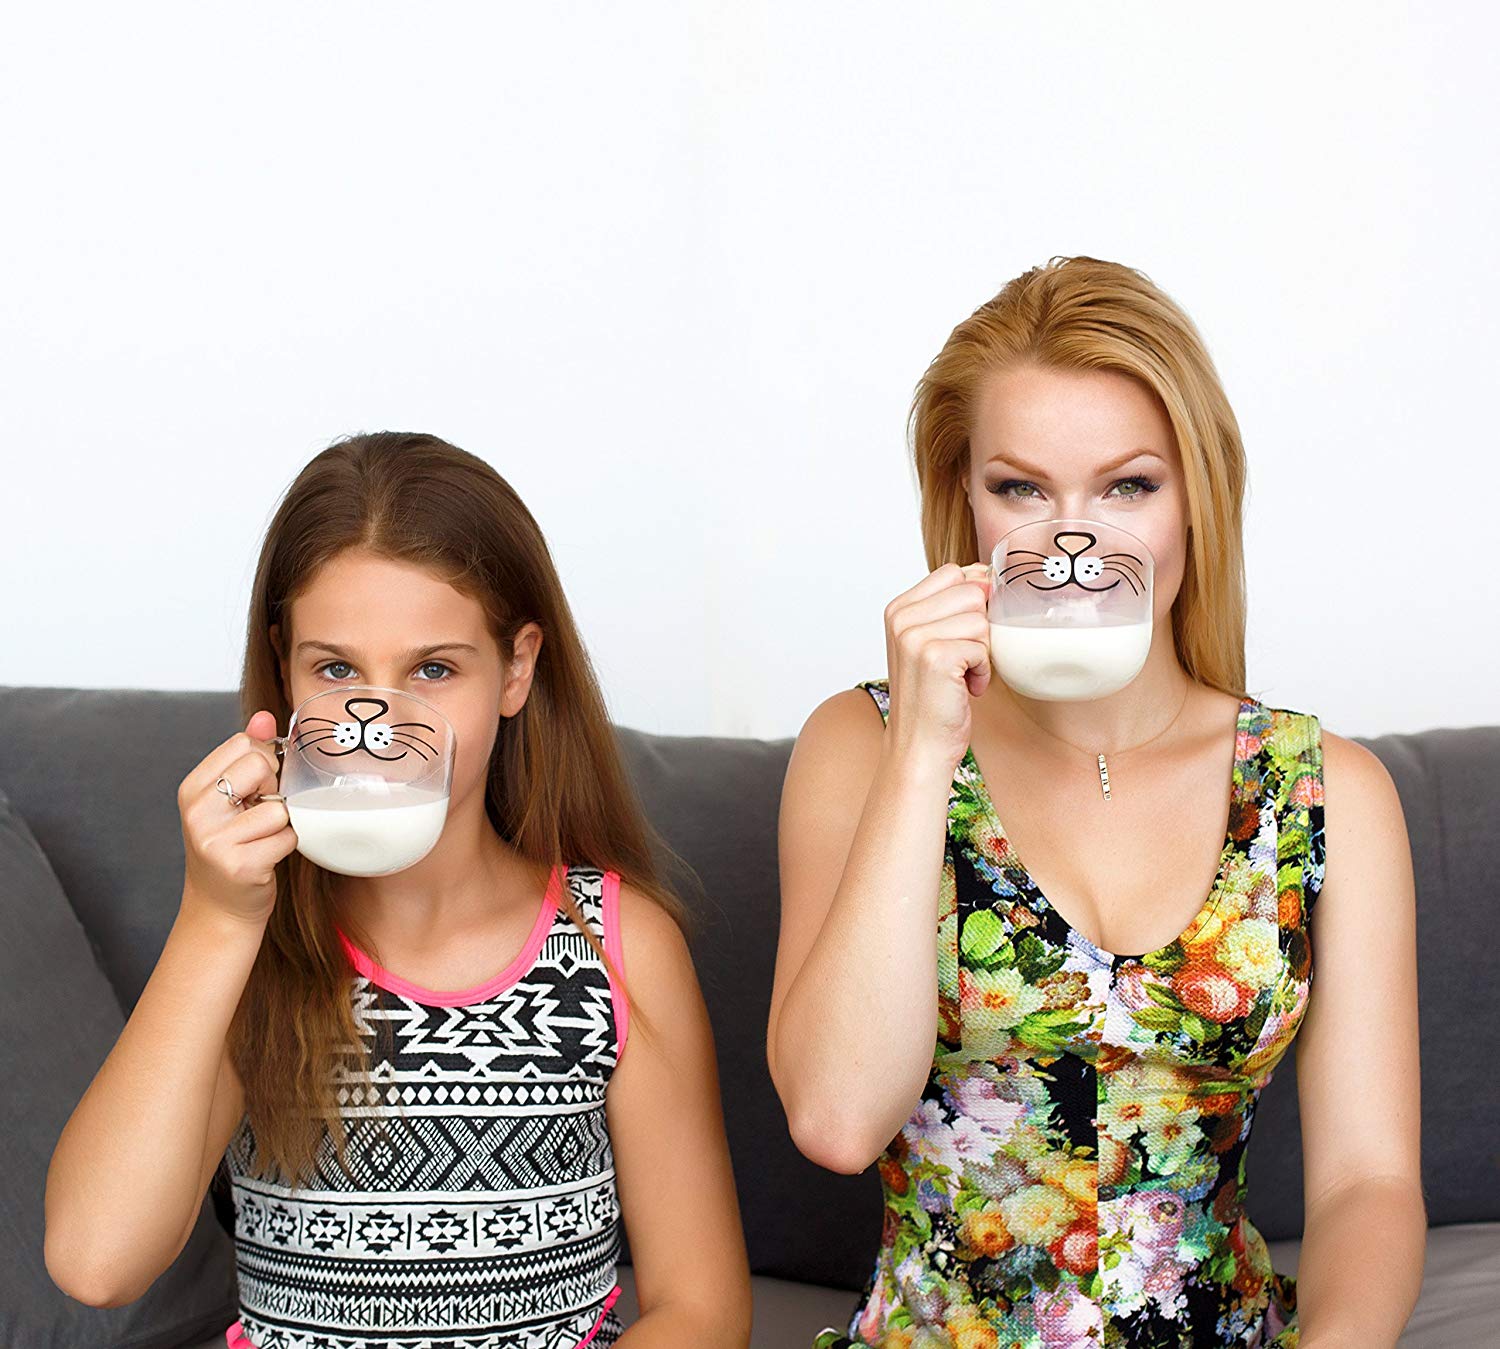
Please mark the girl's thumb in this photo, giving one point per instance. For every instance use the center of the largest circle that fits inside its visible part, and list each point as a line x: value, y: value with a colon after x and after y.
x: 262, y: 725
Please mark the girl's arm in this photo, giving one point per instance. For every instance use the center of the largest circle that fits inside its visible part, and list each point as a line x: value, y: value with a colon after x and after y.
x: 130, y: 1169
x: 1358, y: 1083
x: 672, y: 1168
x: 127, y: 1178
x: 864, y: 816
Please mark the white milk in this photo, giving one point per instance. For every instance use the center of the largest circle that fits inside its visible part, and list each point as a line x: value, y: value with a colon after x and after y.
x: 1066, y: 662
x: 367, y: 830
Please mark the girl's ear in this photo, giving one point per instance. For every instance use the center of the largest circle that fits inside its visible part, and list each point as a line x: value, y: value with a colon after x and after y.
x: 524, y: 651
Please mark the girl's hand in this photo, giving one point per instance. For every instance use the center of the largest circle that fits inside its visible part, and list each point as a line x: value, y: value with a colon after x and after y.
x: 937, y: 643
x: 232, y: 851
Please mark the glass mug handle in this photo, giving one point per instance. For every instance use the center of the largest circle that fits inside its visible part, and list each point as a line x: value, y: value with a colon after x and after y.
x: 280, y: 743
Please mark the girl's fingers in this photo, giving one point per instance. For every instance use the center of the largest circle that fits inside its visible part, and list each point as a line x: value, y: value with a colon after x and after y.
x: 236, y: 749
x: 248, y: 774
x: 264, y: 819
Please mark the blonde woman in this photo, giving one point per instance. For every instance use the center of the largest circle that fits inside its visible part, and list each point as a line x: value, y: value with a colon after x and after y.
x: 1054, y: 1062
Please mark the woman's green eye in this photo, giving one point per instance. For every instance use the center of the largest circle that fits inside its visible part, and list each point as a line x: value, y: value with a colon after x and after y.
x: 1143, y: 485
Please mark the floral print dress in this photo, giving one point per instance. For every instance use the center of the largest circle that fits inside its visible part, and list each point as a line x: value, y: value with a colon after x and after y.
x: 1074, y: 1174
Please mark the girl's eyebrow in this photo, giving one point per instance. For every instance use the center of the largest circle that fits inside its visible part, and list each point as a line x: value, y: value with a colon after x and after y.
x: 1099, y: 472
x: 417, y: 653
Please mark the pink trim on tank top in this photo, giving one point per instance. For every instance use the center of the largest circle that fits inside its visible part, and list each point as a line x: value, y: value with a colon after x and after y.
x: 609, y: 1302
x: 236, y: 1338
x: 612, y: 944
x: 527, y: 955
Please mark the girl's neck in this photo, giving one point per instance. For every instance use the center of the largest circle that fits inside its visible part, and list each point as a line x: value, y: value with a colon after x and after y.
x: 470, y: 874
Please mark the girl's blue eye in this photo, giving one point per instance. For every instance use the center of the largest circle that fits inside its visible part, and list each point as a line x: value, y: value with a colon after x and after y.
x: 426, y: 665
x: 1145, y: 486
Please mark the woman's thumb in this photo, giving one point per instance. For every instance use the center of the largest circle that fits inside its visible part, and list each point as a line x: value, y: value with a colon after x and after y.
x: 262, y: 725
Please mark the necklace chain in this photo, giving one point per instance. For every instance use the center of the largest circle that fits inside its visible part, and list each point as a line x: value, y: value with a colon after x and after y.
x: 1099, y: 754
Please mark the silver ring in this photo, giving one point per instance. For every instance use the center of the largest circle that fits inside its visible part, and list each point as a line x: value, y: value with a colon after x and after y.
x: 228, y: 789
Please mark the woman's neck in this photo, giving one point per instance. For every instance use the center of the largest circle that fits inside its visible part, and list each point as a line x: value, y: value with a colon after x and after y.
x: 1137, y: 713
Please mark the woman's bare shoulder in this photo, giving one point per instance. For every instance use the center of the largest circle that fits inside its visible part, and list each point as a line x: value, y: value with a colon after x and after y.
x: 1356, y: 775
x: 832, y: 764
x: 850, y: 719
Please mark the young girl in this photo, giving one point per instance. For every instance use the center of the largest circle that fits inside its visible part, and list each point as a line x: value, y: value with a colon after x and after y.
x: 416, y: 1084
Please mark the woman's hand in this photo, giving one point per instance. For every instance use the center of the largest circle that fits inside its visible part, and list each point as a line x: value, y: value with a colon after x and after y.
x: 232, y: 851
x: 938, y: 654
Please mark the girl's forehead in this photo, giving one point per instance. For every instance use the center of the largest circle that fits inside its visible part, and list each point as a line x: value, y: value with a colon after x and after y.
x: 390, y: 590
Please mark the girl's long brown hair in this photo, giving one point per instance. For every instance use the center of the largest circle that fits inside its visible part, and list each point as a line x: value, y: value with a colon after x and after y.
x: 1082, y: 313
x: 556, y: 789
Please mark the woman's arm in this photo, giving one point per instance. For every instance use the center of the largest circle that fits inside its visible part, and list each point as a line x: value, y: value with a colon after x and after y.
x: 672, y: 1168
x: 1365, y: 1225
x: 864, y: 819
x: 853, y: 1018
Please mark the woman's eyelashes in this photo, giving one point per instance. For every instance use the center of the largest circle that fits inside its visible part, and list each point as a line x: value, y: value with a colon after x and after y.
x: 425, y: 665
x: 1144, y: 487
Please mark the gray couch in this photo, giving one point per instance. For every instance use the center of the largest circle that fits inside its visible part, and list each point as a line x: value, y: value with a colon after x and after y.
x: 91, y: 872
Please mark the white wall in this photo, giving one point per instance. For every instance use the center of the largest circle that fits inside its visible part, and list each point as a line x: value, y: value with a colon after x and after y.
x: 674, y: 269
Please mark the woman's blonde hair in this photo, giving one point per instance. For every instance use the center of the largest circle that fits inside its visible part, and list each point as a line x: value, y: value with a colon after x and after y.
x: 556, y: 788
x: 1085, y: 314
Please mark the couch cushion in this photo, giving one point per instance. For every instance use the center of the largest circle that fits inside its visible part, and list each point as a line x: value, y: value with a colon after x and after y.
x: 61, y: 1019
x: 1449, y: 784
x: 1458, y: 1306
x: 716, y: 800
x: 95, y: 773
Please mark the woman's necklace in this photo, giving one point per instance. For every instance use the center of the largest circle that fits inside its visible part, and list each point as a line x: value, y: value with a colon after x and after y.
x: 1098, y: 754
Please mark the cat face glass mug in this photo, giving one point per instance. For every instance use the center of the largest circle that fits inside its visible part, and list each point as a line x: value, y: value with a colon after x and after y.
x: 366, y: 776
x: 1070, y: 608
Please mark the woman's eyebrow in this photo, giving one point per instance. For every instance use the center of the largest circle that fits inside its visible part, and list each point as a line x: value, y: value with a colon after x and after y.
x: 1110, y: 467
x: 415, y: 654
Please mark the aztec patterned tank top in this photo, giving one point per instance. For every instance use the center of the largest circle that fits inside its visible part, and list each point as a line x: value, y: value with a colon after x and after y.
x: 482, y: 1211
x: 1074, y: 1173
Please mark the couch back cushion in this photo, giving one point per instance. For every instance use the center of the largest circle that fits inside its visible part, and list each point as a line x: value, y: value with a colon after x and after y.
x: 95, y: 773
x: 61, y: 1019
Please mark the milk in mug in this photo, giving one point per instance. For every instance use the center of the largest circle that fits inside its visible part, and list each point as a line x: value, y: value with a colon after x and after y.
x: 1043, y: 659
x: 368, y: 830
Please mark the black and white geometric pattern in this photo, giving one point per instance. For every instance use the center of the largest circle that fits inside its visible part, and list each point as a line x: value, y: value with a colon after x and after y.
x: 482, y: 1212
